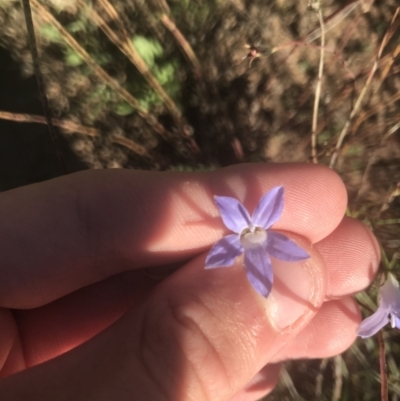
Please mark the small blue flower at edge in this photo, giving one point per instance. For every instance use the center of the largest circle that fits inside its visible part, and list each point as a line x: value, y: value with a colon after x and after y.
x: 253, y: 237
x: 388, y: 310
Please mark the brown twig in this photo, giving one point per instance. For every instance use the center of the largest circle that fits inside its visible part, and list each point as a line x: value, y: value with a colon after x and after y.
x: 183, y: 43
x: 318, y: 88
x: 383, y: 367
x: 365, y: 88
x: 100, y: 72
x: 72, y: 127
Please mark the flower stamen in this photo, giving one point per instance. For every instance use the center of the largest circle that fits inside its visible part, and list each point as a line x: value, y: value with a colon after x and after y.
x: 253, y: 237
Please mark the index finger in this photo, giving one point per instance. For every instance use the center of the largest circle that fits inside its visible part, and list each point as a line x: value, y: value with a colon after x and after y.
x: 64, y: 234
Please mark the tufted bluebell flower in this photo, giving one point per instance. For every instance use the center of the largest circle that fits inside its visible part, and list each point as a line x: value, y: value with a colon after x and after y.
x: 252, y: 236
x: 388, y: 310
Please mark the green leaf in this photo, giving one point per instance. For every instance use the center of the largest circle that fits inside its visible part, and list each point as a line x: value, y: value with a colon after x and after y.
x: 148, y: 49
x: 102, y: 59
x: 51, y: 33
x: 123, y: 109
x: 77, y: 26
x: 72, y: 58
x: 165, y: 74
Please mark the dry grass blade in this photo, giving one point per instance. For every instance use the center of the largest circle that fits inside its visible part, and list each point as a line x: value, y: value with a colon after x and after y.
x: 389, y: 64
x: 343, y: 133
x: 164, y: 6
x: 100, y: 72
x: 129, y: 144
x: 373, y: 158
x: 287, y: 380
x: 183, y: 43
x: 369, y: 113
x: 127, y: 47
x: 337, y: 371
x: 72, y: 127
x: 320, y: 378
x: 33, y: 118
x: 318, y: 88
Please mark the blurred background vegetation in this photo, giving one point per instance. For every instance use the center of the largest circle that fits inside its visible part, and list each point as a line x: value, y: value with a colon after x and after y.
x: 200, y: 84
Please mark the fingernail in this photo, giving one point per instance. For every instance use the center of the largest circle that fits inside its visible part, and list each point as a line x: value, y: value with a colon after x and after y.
x: 294, y: 291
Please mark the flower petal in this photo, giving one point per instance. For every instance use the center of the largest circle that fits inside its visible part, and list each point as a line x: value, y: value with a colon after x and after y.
x: 233, y: 213
x: 390, y: 294
x: 281, y: 247
x: 394, y: 321
x: 269, y: 208
x: 224, y: 252
x: 372, y: 324
x: 259, y: 270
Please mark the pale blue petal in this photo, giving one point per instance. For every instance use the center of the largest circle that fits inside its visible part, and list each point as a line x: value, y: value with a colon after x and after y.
x: 281, y: 247
x: 259, y: 270
x: 390, y: 294
x: 269, y: 208
x: 233, y: 213
x: 394, y: 321
x: 224, y: 252
x: 372, y: 324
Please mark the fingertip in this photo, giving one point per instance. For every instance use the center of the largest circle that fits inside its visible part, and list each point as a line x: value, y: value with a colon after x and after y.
x: 352, y: 257
x: 331, y: 332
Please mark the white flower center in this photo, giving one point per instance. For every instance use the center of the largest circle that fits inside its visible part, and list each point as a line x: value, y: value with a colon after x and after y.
x: 253, y: 237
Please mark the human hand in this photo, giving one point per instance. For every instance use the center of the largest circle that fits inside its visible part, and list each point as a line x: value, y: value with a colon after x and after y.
x: 80, y: 254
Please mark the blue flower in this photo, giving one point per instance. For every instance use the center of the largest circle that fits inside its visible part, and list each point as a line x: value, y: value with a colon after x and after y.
x: 388, y: 310
x: 253, y: 237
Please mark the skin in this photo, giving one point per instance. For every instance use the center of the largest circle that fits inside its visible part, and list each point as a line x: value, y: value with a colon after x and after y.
x: 104, y: 294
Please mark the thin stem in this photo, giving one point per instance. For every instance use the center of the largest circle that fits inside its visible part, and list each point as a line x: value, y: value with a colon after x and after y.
x: 318, y: 90
x: 383, y: 368
x: 40, y: 82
